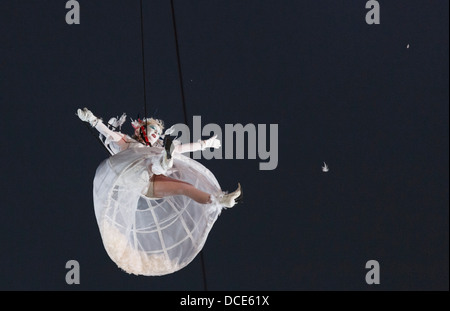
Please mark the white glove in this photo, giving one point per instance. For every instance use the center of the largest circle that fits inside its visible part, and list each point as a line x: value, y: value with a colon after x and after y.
x: 170, y: 130
x: 117, y: 123
x: 87, y: 116
x: 212, y: 142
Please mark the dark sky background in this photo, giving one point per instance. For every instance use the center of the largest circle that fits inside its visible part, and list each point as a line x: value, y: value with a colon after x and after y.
x: 341, y: 91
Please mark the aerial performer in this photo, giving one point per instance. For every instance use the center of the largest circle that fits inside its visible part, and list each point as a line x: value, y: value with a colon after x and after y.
x: 154, y: 206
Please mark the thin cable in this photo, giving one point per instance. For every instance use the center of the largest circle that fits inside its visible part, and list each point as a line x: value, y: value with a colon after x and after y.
x: 179, y: 63
x: 185, y: 114
x: 143, y: 62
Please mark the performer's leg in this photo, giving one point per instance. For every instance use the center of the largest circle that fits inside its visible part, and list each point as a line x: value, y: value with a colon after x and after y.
x: 164, y: 186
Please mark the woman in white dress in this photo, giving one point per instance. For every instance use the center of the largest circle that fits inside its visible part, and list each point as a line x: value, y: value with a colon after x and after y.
x: 154, y: 206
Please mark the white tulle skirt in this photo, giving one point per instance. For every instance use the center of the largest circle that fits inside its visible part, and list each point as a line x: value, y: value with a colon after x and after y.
x: 146, y: 236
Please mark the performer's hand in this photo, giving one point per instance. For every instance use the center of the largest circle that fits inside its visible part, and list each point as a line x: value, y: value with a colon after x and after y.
x: 170, y: 130
x: 87, y: 116
x: 212, y: 142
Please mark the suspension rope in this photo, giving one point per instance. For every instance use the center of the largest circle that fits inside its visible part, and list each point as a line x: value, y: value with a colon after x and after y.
x: 183, y: 100
x: 143, y: 61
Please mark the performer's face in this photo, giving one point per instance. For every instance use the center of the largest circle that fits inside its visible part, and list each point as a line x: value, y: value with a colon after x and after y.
x: 153, y: 133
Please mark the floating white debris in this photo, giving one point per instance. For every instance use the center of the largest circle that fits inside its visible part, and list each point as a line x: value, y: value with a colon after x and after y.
x: 407, y: 46
x: 325, y: 167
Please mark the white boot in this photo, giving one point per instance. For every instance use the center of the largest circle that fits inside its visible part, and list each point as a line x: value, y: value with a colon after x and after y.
x: 87, y: 116
x: 229, y: 200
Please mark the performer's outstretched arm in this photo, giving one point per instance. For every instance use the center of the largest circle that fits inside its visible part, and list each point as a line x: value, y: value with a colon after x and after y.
x: 87, y: 116
x: 107, y: 132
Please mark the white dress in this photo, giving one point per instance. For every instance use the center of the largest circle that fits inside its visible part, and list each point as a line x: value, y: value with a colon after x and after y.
x: 145, y: 236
